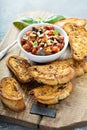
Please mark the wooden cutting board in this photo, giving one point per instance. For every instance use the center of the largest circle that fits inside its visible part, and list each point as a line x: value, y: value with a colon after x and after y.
x: 71, y: 112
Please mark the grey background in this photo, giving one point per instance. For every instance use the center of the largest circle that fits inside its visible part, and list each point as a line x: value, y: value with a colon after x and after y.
x: 10, y: 8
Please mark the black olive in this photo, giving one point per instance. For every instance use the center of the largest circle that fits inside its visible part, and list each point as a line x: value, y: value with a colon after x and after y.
x: 34, y: 29
x: 59, y: 40
x: 41, y: 52
x: 42, y: 45
x: 52, y: 38
x: 40, y: 31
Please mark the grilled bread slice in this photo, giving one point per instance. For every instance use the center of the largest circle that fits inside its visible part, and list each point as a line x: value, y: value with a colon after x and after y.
x: 69, y: 27
x: 10, y: 94
x: 78, y: 43
x: 20, y: 67
x: 58, y: 72
x: 52, y: 94
x: 77, y: 21
x: 52, y: 74
x: 80, y: 67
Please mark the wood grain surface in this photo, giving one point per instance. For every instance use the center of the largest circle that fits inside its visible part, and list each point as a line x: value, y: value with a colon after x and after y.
x: 71, y: 112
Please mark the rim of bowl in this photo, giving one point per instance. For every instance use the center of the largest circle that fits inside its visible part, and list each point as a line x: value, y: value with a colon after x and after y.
x: 43, y: 24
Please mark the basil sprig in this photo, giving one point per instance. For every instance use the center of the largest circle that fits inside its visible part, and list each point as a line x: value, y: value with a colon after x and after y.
x: 25, y: 21
x: 53, y: 19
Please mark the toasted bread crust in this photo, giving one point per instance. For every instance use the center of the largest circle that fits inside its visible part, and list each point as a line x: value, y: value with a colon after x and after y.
x: 10, y: 94
x: 80, y: 67
x: 16, y: 106
x: 9, y: 89
x: 75, y: 28
x: 77, y: 21
x: 52, y: 94
x: 78, y: 43
x: 19, y: 66
x: 58, y: 72
x: 69, y: 27
x: 52, y: 74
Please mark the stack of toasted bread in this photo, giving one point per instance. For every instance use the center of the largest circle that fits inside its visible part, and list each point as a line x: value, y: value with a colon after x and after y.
x: 10, y: 92
x: 55, y: 76
x: 76, y: 29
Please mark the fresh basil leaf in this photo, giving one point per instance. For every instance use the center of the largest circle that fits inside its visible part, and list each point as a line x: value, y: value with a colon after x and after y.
x: 35, y: 44
x: 28, y: 20
x: 40, y: 20
x: 53, y: 19
x: 55, y: 32
x: 24, y: 22
x: 20, y: 24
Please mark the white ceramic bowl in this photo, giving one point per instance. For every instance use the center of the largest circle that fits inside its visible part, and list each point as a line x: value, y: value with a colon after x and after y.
x: 43, y: 59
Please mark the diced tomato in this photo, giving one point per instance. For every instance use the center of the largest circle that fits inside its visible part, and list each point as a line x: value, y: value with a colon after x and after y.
x: 34, y: 50
x: 47, y: 50
x: 49, y: 33
x: 23, y: 41
x: 38, y: 47
x: 55, y: 49
x: 61, y: 37
x: 28, y: 33
x: 29, y: 42
x: 58, y: 45
x: 50, y: 27
x: 27, y: 47
x: 62, y: 45
x: 44, y: 39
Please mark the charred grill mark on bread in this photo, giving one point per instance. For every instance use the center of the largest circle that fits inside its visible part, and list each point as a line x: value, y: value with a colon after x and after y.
x: 58, y: 72
x: 20, y: 67
x: 52, y: 94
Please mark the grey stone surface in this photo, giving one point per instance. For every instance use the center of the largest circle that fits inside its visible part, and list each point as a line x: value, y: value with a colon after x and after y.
x: 10, y: 8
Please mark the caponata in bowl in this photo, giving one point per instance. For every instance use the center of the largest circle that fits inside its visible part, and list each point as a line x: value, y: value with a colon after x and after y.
x: 42, y: 40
